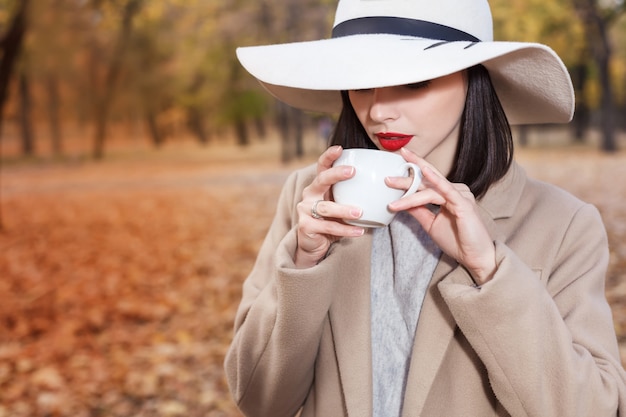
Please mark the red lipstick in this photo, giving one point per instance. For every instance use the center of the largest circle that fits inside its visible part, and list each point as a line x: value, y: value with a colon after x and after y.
x: 393, y: 141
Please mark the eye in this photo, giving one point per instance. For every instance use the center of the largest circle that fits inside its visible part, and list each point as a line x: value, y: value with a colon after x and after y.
x: 418, y: 86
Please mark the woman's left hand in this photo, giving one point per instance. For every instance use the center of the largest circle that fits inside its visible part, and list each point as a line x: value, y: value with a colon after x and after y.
x: 456, y: 228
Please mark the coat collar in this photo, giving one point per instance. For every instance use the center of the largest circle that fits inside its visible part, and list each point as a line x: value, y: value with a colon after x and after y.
x: 350, y: 313
x: 503, y: 197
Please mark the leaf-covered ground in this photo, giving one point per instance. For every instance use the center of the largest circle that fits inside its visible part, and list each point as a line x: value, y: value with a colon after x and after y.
x: 120, y: 279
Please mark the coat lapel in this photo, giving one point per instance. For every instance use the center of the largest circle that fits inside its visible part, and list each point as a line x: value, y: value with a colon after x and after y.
x: 435, y: 329
x: 350, y: 321
x: 436, y: 326
x: 350, y: 312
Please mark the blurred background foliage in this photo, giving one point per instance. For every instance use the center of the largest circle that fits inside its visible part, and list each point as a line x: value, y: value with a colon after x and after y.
x: 167, y: 68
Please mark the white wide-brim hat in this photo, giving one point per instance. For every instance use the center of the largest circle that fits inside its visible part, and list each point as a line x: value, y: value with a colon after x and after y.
x: 382, y: 43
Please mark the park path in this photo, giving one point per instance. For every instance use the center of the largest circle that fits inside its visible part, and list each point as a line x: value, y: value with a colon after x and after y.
x: 207, y: 169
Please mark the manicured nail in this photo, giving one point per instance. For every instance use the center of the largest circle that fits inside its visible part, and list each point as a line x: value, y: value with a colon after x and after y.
x: 356, y: 213
x: 359, y: 232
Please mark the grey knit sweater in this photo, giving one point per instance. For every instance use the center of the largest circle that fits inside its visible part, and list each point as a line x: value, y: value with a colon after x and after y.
x: 403, y: 261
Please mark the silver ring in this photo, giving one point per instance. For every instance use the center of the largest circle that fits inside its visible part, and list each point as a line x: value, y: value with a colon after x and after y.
x: 314, y: 212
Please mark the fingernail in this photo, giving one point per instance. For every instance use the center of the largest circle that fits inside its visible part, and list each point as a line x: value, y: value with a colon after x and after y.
x: 359, y: 232
x: 348, y: 170
x: 356, y: 213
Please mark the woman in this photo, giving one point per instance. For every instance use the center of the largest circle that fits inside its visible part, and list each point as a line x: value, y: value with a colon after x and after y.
x: 485, y: 295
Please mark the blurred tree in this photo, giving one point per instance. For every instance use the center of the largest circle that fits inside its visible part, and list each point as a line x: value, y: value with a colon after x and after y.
x: 10, y: 45
x: 580, y: 77
x: 162, y: 61
x: 170, y: 64
x: 282, y: 22
x: 46, y: 61
x: 151, y: 49
x: 620, y: 69
x: 104, y: 101
x: 553, y: 23
x: 579, y: 31
x: 291, y: 124
x: 26, y: 122
x: 597, y: 17
x: 205, y: 81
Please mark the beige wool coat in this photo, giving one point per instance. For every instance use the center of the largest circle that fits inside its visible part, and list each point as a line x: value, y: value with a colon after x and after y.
x: 537, y: 340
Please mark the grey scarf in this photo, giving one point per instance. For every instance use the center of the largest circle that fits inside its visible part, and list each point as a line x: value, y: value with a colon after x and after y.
x: 403, y: 261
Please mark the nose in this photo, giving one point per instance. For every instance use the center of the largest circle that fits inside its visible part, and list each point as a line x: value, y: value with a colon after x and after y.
x: 382, y: 105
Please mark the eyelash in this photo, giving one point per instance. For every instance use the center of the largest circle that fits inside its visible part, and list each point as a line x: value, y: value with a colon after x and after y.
x: 417, y: 86
x: 413, y: 86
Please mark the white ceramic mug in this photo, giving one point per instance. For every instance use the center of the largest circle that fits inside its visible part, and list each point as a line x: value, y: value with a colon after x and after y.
x: 367, y: 188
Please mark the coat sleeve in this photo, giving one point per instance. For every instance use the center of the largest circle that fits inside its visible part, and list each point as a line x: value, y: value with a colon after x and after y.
x: 270, y: 363
x: 548, y: 344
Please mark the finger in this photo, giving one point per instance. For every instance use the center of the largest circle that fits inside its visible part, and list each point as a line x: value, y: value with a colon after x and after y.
x: 315, y: 234
x: 332, y: 210
x: 424, y: 216
x: 404, y: 183
x: 400, y: 183
x: 421, y: 198
x: 331, y: 176
x: 337, y: 229
x: 411, y: 156
x: 328, y: 157
x: 327, y: 176
x: 430, y: 192
x: 452, y: 193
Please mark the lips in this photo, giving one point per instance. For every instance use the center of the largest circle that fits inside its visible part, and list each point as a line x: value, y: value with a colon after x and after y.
x: 393, y: 141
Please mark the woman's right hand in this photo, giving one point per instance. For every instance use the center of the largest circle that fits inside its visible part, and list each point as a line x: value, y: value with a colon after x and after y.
x: 317, y: 234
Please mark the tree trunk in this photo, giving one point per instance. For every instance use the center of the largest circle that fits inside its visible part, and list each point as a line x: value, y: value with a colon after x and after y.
x: 195, y: 113
x: 261, y: 131
x: 11, y: 45
x: 103, y: 106
x: 53, y: 114
x: 297, y: 118
x: 196, y: 125
x: 607, y: 106
x: 596, y: 28
x: 153, y: 128
x: 581, y: 115
x: 282, y: 121
x: 26, y: 123
x: 102, y: 110
x: 241, y: 131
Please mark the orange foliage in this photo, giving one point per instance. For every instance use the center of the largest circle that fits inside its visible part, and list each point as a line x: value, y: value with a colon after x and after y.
x: 120, y: 283
x: 120, y: 280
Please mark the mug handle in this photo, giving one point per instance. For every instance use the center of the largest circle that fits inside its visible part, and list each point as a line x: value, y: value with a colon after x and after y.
x: 417, y: 177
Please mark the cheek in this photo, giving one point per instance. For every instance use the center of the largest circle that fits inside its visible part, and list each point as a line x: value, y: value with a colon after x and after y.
x: 359, y: 105
x: 450, y: 113
x: 446, y: 112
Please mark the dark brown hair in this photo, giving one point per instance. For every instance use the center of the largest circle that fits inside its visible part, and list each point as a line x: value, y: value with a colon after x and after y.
x: 485, y: 149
